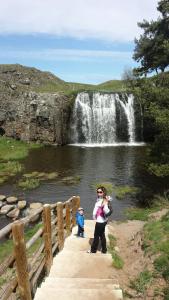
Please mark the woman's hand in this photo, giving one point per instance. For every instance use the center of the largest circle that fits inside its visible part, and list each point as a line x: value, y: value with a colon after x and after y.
x: 105, y: 201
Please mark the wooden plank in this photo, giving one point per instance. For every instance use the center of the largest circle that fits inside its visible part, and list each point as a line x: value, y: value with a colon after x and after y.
x: 56, y: 245
x: 6, y: 264
x: 5, y: 294
x: 21, y: 260
x: 74, y: 210
x: 35, y: 259
x: 7, y: 229
x: 36, y: 276
x: 34, y: 238
x: 68, y: 219
x: 47, y: 235
x: 36, y: 266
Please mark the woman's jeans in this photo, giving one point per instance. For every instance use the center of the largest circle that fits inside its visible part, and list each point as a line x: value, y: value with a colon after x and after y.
x: 99, y: 234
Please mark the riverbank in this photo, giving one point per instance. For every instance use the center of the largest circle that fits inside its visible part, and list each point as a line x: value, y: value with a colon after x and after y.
x: 143, y: 246
x: 12, y: 152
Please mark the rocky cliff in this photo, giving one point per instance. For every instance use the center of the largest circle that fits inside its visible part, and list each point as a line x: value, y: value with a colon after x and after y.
x: 30, y: 115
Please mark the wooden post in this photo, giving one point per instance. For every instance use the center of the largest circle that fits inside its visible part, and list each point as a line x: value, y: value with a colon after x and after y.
x: 77, y: 202
x: 47, y: 235
x: 74, y: 210
x: 60, y: 225
x: 68, y: 220
x: 21, y: 261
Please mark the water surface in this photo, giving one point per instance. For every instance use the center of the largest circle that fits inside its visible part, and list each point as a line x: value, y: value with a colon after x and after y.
x: 120, y: 165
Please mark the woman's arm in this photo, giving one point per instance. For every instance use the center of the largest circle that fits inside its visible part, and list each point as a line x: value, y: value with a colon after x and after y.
x: 95, y: 210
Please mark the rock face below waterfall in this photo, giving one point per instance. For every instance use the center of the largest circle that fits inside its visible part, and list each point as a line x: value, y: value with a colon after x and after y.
x: 29, y: 115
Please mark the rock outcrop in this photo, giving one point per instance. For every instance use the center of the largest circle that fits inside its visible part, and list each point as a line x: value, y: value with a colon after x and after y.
x: 30, y: 115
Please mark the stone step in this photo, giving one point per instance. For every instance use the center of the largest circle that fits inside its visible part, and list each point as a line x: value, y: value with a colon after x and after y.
x: 70, y: 264
x: 80, y: 283
x: 74, y: 294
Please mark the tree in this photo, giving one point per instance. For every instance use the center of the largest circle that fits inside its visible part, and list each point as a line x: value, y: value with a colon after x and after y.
x: 152, y: 48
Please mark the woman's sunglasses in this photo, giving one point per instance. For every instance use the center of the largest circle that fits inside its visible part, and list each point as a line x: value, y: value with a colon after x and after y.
x: 99, y: 192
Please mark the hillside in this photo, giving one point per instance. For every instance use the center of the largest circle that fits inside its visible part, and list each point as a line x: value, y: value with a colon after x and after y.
x: 21, y: 78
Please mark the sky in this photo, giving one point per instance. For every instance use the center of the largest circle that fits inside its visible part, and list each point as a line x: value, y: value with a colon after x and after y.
x: 89, y: 41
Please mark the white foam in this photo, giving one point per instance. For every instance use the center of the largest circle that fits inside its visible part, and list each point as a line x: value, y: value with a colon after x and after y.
x: 108, y: 145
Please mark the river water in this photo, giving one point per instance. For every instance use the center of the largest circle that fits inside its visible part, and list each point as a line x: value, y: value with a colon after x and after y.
x: 120, y: 165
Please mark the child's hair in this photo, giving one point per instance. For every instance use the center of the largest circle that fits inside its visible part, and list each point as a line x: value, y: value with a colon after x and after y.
x: 80, y: 208
x: 103, y: 190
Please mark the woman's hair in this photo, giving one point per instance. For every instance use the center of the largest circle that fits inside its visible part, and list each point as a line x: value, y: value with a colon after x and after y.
x: 103, y: 190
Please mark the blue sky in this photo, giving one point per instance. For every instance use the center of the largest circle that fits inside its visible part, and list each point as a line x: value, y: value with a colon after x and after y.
x: 85, y: 41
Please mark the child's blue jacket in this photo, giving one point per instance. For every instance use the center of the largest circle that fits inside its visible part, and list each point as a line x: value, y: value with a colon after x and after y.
x: 79, y: 220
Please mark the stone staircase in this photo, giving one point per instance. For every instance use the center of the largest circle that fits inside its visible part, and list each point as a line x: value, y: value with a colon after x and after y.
x: 78, y: 275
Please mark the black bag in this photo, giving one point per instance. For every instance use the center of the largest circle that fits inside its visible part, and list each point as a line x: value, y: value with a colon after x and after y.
x: 110, y: 210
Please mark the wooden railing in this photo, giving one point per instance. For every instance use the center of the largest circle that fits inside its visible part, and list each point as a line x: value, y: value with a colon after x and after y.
x: 32, y: 257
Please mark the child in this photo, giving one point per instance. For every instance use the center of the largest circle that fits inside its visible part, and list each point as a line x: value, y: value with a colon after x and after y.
x: 80, y: 222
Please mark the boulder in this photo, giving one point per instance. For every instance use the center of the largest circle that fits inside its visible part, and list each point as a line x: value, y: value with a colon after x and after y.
x: 2, y: 197
x: 35, y: 205
x: 31, y: 212
x: 1, y: 204
x: 14, y: 213
x: 21, y: 204
x: 6, y: 208
x: 11, y: 200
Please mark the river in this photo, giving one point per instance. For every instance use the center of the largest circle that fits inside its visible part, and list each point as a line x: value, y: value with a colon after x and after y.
x: 120, y: 165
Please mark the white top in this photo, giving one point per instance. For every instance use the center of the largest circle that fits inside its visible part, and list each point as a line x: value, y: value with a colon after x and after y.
x: 99, y: 218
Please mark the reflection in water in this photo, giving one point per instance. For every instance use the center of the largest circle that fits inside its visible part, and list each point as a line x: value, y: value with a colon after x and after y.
x: 118, y: 165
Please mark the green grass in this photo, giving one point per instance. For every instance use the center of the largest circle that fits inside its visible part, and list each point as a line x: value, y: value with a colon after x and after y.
x: 71, y: 180
x: 29, y: 232
x: 166, y: 293
x: 141, y: 214
x: 41, y: 175
x: 11, y: 149
x: 29, y: 183
x: 156, y: 235
x: 141, y: 282
x: 32, y: 180
x: 161, y: 263
x: 9, y: 169
x: 123, y: 190
x: 74, y: 87
x: 117, y: 261
x: 6, y: 248
x: 156, y: 241
x: 112, y: 85
x: 10, y: 152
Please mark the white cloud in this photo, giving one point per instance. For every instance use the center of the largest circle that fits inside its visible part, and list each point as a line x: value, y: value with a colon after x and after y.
x: 67, y: 55
x: 103, y: 19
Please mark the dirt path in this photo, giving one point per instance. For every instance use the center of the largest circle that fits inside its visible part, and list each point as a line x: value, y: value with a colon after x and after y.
x: 129, y: 246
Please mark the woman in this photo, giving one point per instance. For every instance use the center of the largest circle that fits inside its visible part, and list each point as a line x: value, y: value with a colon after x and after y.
x: 99, y: 214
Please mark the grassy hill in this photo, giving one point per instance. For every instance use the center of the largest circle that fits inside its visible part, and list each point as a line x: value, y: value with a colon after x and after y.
x: 21, y: 78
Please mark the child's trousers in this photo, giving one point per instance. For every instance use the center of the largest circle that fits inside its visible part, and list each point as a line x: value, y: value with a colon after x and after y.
x: 80, y: 231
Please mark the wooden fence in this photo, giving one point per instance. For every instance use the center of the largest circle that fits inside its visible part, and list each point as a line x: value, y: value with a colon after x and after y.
x: 24, y: 268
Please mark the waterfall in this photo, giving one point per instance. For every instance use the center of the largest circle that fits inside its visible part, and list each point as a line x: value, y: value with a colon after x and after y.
x: 103, y: 119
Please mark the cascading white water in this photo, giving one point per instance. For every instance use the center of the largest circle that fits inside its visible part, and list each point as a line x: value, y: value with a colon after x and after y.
x: 96, y: 118
x: 129, y: 111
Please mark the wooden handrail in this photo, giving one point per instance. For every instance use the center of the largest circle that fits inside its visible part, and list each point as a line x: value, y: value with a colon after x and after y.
x: 57, y: 221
